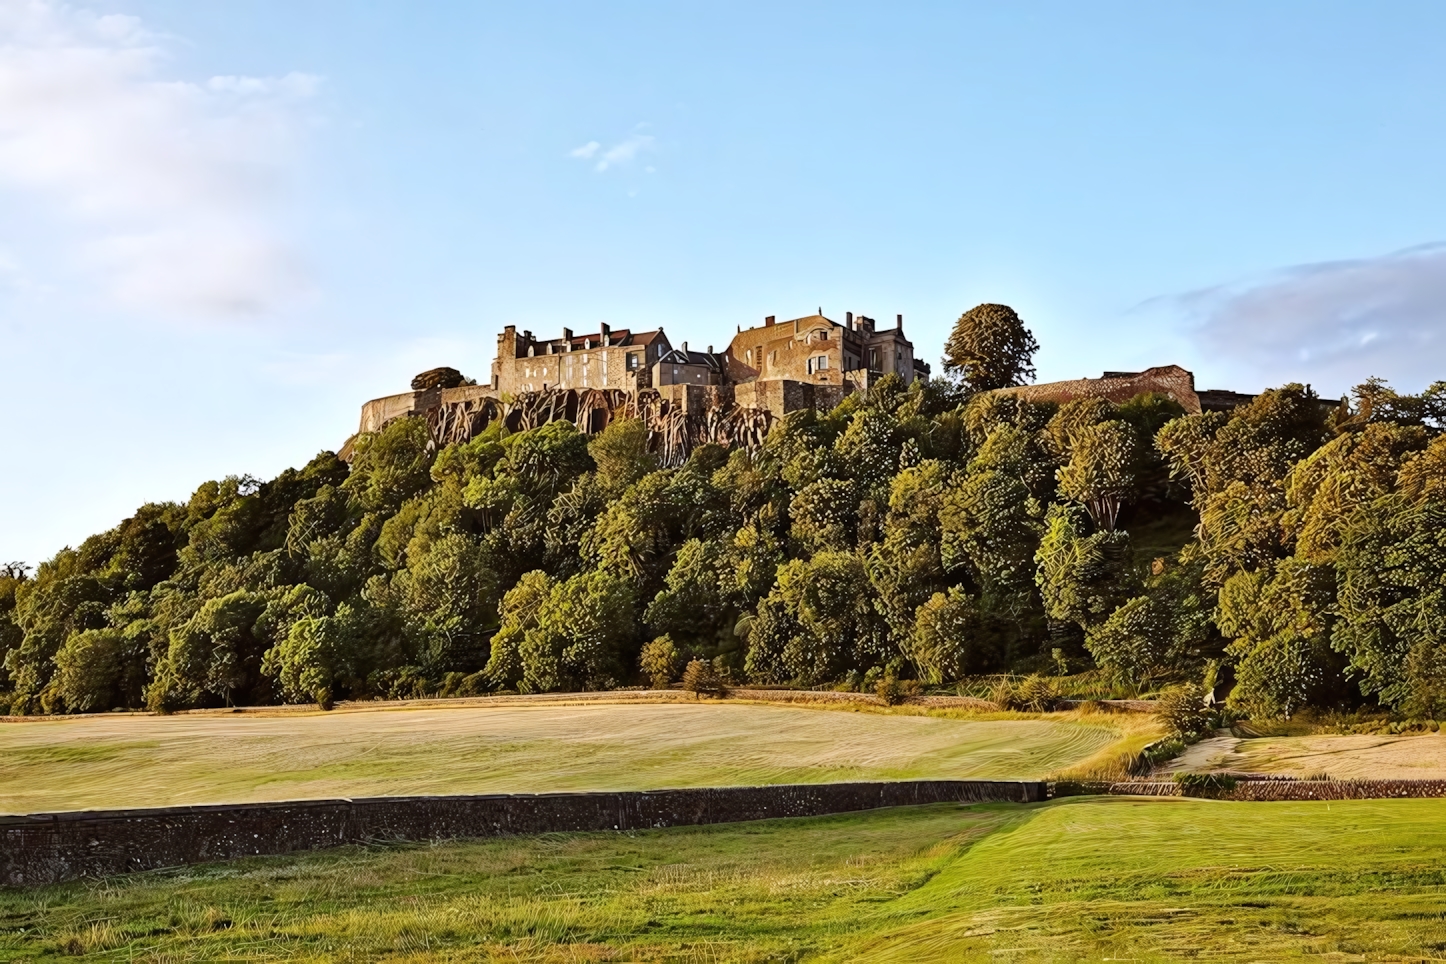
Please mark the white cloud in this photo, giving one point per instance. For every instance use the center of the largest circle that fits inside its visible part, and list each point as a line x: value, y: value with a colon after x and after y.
x: 171, y: 192
x: 620, y: 154
x: 1333, y: 323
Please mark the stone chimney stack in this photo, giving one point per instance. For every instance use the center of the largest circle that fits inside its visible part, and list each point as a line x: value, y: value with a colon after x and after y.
x: 768, y: 321
x: 849, y: 320
x: 605, y: 332
x: 567, y: 334
x: 900, y: 324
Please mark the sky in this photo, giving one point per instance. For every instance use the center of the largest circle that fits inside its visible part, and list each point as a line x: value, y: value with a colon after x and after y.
x: 224, y: 225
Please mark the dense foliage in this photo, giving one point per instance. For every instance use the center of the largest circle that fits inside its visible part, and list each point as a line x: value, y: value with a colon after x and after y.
x: 926, y: 534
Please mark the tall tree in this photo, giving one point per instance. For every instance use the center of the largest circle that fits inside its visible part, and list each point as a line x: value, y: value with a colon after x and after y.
x: 991, y: 348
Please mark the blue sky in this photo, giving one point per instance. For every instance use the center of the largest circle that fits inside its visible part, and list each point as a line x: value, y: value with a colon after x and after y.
x: 224, y: 225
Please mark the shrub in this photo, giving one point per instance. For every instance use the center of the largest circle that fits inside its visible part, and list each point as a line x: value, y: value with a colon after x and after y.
x: 659, y: 662
x: 702, y: 677
x: 892, y: 691
x: 1205, y: 784
x: 1033, y: 694
x: 1183, y: 711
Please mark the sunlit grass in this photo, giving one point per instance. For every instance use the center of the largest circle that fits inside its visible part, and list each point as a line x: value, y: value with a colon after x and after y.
x: 144, y: 761
x: 1085, y: 879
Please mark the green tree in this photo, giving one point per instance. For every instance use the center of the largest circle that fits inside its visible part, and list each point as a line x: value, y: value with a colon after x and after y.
x: 1103, y: 470
x: 659, y: 662
x: 990, y: 528
x: 1082, y: 576
x: 949, y: 640
x: 991, y: 348
x: 621, y: 454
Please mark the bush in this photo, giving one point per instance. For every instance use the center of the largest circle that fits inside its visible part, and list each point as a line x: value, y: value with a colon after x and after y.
x: 701, y: 677
x: 1033, y: 694
x: 659, y: 662
x: 1183, y: 711
x: 892, y: 691
x: 1205, y: 784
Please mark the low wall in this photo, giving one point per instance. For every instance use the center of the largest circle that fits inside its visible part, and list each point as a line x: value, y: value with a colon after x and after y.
x: 1260, y: 789
x: 50, y: 848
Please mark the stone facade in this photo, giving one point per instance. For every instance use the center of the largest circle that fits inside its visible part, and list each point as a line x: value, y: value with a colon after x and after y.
x: 606, y: 359
x: 816, y: 350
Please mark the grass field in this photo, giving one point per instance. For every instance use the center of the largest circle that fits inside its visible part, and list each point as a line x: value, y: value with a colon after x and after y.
x: 1084, y: 878
x: 1412, y: 756
x: 99, y: 762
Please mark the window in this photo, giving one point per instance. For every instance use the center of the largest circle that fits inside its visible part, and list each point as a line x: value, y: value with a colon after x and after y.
x: 873, y: 359
x: 820, y: 363
x: 773, y: 358
x: 632, y: 361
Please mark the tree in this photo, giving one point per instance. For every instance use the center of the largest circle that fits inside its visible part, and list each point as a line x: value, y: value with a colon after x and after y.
x: 1392, y: 598
x: 991, y: 348
x: 580, y: 635
x: 621, y: 453
x: 1102, y: 470
x: 948, y: 639
x: 1278, y: 619
x: 817, y: 622
x: 659, y: 662
x: 1082, y: 576
x: 990, y: 528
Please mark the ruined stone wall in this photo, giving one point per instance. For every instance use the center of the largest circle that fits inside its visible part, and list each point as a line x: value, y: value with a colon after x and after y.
x: 50, y: 848
x: 1171, y: 380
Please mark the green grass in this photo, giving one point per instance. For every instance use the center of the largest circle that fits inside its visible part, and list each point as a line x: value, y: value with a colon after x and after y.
x: 145, y: 761
x: 1081, y: 879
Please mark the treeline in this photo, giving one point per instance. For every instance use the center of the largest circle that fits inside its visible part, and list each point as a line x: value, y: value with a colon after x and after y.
x: 1290, y: 552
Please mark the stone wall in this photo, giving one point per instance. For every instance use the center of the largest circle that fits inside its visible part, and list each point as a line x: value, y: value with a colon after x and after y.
x: 1262, y: 789
x: 50, y: 848
x: 1170, y: 380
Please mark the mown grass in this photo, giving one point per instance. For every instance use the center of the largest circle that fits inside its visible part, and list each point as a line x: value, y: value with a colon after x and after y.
x: 146, y: 761
x: 1080, y: 879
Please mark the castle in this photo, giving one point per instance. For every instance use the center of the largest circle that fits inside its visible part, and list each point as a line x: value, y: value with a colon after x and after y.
x: 685, y: 397
x: 688, y: 398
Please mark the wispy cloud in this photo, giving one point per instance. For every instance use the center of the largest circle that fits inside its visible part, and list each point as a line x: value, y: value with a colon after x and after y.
x: 620, y: 154
x: 170, y: 192
x: 1334, y: 323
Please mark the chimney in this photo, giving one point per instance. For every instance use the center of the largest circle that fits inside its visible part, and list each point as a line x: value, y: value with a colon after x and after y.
x: 900, y: 324
x: 605, y: 331
x: 768, y: 320
x: 567, y: 334
x: 849, y: 319
x: 710, y: 349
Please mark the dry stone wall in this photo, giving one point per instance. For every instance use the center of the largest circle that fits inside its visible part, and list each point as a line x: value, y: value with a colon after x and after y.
x: 50, y: 848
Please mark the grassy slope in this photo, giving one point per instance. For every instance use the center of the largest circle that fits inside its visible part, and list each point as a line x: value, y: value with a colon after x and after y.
x: 1078, y: 879
x: 127, y: 761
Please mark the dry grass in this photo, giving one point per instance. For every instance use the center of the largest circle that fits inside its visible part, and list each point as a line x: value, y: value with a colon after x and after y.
x: 1418, y: 756
x: 125, y: 761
